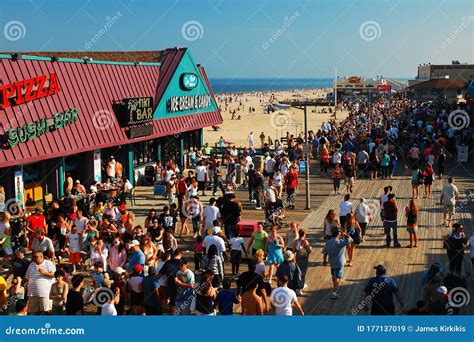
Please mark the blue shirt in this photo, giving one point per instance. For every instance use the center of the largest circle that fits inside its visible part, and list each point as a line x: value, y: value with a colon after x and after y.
x: 336, y: 249
x: 150, y: 284
x: 381, y: 290
x: 136, y: 258
x: 225, y: 301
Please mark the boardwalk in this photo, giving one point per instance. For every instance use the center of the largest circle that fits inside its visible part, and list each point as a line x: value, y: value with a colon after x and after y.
x: 405, y: 264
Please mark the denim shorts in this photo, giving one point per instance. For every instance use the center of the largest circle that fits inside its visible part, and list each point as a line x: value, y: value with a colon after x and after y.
x: 337, y: 272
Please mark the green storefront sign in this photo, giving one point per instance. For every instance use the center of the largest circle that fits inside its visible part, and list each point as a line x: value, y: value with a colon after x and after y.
x: 34, y: 129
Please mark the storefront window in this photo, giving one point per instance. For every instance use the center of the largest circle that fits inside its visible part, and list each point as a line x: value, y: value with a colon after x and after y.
x: 33, y: 184
x: 144, y: 152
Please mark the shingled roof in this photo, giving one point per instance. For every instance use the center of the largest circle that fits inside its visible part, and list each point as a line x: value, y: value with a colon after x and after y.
x: 152, y: 56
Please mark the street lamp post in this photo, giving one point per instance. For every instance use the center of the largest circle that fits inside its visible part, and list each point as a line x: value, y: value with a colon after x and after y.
x: 302, y: 105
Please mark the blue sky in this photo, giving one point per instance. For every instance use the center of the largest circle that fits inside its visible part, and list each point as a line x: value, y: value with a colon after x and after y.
x: 253, y: 38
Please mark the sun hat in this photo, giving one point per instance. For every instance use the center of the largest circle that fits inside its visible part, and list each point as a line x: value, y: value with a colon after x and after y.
x: 288, y: 256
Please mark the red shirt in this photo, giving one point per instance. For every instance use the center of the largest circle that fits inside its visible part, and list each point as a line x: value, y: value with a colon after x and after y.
x: 291, y: 180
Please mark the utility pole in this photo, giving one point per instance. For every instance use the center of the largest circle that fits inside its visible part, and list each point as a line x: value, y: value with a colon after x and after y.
x: 307, y: 157
x: 335, y: 93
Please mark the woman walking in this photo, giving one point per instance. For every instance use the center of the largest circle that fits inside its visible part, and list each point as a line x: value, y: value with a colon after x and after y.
x: 411, y: 212
x: 352, y: 228
x: 336, y: 178
x: 330, y: 224
x: 393, y: 163
x: 428, y: 176
x: 302, y: 249
x: 374, y: 164
x: 324, y: 162
x: 415, y: 182
x: 384, y: 164
x: 275, y: 246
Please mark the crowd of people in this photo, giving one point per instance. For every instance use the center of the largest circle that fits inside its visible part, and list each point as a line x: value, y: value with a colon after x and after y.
x: 79, y: 253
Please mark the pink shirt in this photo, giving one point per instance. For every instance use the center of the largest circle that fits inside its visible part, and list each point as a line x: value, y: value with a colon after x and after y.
x: 117, y: 259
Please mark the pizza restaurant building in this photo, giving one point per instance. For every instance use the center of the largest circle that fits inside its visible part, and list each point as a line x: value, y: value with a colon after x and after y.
x: 63, y: 116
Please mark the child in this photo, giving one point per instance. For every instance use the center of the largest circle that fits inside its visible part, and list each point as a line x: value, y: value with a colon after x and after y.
x: 259, y: 258
x: 198, y: 253
x: 74, y: 248
x: 226, y: 299
x: 236, y: 247
x: 98, y: 275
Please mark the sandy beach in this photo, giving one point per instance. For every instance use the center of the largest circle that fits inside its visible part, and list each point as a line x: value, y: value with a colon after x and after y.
x: 275, y: 124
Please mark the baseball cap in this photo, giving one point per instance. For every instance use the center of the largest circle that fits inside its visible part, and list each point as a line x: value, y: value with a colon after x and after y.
x: 119, y: 270
x: 134, y: 243
x: 380, y: 268
x: 77, y: 181
x: 122, y: 207
x: 442, y: 289
x: 138, y: 268
x: 216, y: 230
x: 288, y: 255
x: 39, y: 209
x: 20, y: 250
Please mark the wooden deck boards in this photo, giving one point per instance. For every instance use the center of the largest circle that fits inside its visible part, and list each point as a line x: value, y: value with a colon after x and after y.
x: 404, y: 264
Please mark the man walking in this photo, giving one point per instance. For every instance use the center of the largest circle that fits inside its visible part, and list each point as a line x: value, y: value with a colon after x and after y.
x: 449, y: 197
x: 379, y: 292
x: 336, y: 250
x: 390, y: 211
x: 40, y: 277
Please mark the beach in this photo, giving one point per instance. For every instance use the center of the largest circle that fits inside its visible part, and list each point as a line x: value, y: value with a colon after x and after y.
x: 275, y: 124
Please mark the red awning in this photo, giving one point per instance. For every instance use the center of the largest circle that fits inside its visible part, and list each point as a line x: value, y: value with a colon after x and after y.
x: 92, y: 89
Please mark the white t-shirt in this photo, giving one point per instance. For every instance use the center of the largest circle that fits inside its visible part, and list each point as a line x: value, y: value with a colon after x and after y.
x: 74, y: 246
x: 108, y: 310
x: 336, y: 158
x: 270, y: 193
x: 211, y: 212
x: 449, y: 193
x: 80, y: 224
x: 236, y: 243
x: 278, y: 179
x: 383, y: 199
x: 38, y: 284
x: 345, y: 208
x: 201, y: 173
x: 214, y: 240
x: 168, y: 174
x: 260, y: 268
x: 362, y: 213
x: 135, y: 282
x: 283, y: 299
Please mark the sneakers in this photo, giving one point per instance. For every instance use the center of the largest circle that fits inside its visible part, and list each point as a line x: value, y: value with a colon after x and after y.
x: 258, y: 208
x: 334, y: 295
x: 305, y: 286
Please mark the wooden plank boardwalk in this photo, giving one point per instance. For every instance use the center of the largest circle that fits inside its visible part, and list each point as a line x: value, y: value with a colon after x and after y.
x: 406, y: 265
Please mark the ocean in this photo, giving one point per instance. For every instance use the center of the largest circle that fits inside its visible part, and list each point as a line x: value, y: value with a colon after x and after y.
x: 237, y: 85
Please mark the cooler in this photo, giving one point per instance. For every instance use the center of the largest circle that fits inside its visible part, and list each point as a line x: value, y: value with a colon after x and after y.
x: 159, y: 190
x: 246, y: 228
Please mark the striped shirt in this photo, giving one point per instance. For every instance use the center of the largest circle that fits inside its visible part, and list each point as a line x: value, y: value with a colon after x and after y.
x: 38, y: 284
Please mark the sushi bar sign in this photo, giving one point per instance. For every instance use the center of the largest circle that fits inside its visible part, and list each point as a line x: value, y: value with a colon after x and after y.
x: 34, y: 129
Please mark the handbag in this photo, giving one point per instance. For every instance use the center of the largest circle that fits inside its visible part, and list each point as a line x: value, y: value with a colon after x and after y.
x: 354, y: 234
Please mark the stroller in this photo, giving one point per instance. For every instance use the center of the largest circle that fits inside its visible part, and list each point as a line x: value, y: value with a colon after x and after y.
x: 150, y: 175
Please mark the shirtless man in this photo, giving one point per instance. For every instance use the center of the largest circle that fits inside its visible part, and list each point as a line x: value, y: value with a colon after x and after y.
x: 251, y: 302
